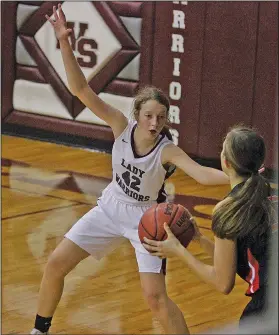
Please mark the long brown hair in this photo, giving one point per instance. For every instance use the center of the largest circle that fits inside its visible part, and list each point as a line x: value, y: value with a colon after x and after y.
x: 249, y: 211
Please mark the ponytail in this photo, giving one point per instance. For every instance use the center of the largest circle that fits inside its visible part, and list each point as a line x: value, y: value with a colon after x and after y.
x: 246, y: 212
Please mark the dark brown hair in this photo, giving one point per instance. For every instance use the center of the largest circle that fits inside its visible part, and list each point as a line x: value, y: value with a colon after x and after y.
x: 249, y: 211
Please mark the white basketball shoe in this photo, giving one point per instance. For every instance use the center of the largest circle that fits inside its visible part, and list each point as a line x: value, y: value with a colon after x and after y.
x: 36, y: 331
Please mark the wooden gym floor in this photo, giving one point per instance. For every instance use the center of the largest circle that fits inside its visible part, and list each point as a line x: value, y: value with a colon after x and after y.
x: 46, y: 188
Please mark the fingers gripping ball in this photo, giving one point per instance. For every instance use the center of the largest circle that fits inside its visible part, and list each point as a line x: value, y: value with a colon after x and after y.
x: 176, y: 216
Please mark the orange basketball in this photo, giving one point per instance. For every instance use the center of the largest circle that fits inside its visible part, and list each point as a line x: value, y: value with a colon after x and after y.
x: 176, y: 216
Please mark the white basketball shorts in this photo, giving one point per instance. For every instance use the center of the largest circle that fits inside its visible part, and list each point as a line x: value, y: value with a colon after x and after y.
x: 105, y: 226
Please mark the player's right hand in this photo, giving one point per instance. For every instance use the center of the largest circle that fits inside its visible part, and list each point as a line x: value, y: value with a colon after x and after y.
x: 59, y: 23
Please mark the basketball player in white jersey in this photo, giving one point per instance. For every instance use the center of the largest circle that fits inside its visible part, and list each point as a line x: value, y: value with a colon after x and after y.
x: 140, y: 154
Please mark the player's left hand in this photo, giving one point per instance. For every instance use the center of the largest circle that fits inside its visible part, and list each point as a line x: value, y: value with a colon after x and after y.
x: 163, y: 249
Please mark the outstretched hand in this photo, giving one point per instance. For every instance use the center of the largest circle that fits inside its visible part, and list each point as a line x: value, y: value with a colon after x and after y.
x: 163, y: 249
x: 59, y: 23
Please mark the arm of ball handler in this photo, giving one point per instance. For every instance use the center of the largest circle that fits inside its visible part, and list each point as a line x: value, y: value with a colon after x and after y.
x: 223, y: 271
x: 77, y: 82
x: 221, y: 275
x: 202, y: 174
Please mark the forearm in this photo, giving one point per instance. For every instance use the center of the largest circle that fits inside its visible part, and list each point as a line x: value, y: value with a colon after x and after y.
x: 75, y: 77
x: 214, y: 177
x: 207, y: 245
x: 204, y: 271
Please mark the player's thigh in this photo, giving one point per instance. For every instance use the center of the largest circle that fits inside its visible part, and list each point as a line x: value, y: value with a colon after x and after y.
x: 65, y: 257
x: 153, y: 285
x: 96, y: 232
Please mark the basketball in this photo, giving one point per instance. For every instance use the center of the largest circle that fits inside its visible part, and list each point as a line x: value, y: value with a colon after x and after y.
x: 176, y: 216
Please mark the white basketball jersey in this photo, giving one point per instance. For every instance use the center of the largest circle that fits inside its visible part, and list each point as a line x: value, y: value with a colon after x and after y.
x: 137, y: 179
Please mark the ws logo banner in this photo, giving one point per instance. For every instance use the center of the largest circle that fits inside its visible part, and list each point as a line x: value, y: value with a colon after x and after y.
x: 84, y: 46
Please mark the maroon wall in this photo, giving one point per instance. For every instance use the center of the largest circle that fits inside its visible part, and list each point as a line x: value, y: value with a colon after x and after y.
x: 228, y: 70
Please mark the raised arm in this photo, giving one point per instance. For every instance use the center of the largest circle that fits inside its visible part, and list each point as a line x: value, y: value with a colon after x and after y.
x: 77, y: 81
x: 202, y: 174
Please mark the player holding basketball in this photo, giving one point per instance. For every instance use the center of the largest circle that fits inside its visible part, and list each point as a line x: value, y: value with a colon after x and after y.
x: 242, y: 224
x: 140, y: 156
